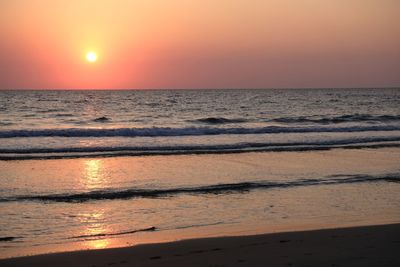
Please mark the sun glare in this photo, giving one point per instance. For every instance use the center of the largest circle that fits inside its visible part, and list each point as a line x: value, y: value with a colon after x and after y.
x: 91, y: 56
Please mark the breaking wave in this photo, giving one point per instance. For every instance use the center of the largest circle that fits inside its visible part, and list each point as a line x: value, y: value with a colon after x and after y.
x: 206, y: 189
x: 340, y: 119
x: 218, y: 120
x: 187, y: 131
x: 109, y: 151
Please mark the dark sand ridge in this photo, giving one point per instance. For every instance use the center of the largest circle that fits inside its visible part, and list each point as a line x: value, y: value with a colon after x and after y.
x: 355, y: 246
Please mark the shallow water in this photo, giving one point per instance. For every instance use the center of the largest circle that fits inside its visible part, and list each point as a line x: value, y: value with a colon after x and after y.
x: 94, y: 169
x: 68, y: 204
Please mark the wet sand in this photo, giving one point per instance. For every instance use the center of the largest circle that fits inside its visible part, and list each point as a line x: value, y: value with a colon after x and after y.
x: 355, y: 246
x: 101, y: 224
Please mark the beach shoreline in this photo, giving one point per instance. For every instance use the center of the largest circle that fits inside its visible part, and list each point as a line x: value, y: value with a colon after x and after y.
x: 376, y: 245
x: 103, y: 224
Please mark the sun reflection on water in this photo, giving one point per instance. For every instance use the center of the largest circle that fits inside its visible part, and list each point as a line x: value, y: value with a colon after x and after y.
x: 94, y: 229
x: 94, y: 225
x: 94, y: 173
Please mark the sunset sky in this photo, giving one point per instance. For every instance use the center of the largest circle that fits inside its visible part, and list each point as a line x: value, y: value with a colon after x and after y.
x: 199, y: 43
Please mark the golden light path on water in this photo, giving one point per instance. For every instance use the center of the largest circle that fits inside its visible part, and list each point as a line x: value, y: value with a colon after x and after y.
x: 94, y: 226
x: 94, y: 174
x: 94, y: 222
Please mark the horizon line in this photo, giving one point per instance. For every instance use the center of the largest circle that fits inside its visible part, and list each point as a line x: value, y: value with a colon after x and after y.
x: 199, y: 88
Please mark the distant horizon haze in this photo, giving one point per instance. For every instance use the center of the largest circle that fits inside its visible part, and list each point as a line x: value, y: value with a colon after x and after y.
x: 194, y: 89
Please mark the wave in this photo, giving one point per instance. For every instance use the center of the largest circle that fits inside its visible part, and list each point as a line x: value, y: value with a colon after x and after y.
x: 102, y: 119
x: 49, y: 110
x: 187, y: 131
x: 340, y: 119
x: 218, y: 120
x: 8, y: 238
x: 124, y: 152
x: 207, y: 189
x: 150, y: 229
x: 64, y: 115
x: 5, y: 123
x: 217, y: 147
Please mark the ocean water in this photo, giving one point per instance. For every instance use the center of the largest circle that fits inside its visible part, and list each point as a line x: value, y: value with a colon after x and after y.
x: 59, y: 124
x: 73, y: 171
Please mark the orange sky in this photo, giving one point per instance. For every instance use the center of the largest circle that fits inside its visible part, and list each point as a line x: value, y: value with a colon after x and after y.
x: 199, y: 43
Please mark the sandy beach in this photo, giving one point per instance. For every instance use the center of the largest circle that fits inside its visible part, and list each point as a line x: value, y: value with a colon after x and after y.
x: 356, y: 246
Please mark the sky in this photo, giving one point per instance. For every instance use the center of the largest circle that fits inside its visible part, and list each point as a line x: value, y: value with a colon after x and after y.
x: 199, y: 44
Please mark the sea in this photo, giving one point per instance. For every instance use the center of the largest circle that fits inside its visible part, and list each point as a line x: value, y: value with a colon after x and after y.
x: 102, y: 168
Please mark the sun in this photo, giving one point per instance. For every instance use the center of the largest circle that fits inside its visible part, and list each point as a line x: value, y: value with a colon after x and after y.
x: 91, y: 56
